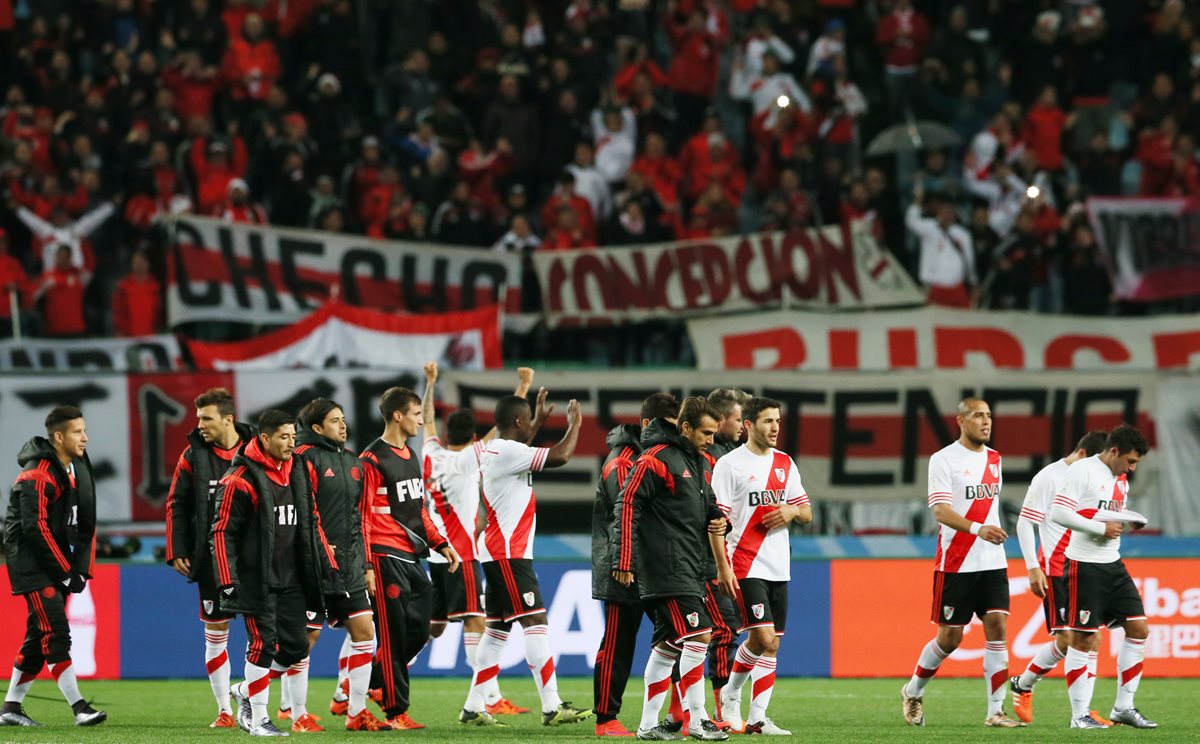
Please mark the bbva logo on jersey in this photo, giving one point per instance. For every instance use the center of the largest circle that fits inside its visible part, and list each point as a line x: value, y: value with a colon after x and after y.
x: 983, y: 491
x: 765, y: 497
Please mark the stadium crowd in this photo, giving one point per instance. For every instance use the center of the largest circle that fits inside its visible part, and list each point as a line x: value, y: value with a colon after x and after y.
x: 557, y: 125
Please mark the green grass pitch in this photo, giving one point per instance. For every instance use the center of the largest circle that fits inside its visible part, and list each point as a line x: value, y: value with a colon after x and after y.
x: 830, y: 711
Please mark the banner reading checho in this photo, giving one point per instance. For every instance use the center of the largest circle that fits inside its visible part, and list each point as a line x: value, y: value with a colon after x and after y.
x: 831, y: 267
x: 256, y: 274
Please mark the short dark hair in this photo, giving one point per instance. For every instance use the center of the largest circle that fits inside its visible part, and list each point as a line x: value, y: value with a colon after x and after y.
x: 1126, y: 438
x: 695, y: 408
x: 1092, y: 443
x: 315, y: 411
x: 726, y: 398
x: 509, y: 408
x: 396, y: 399
x: 660, y: 405
x: 58, y: 418
x: 460, y: 427
x: 219, y: 397
x: 272, y: 420
x: 755, y: 406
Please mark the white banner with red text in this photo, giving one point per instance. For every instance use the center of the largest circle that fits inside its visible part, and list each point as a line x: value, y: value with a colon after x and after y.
x: 857, y: 439
x: 938, y: 338
x: 338, y: 335
x: 839, y: 267
x: 238, y: 273
x: 1152, y: 246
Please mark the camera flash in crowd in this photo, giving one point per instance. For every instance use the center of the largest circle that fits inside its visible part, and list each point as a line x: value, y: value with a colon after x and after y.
x: 783, y: 102
x: 1032, y: 192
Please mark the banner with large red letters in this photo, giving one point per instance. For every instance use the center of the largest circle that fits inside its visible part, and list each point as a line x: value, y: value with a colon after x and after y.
x: 937, y: 338
x: 857, y: 439
x: 839, y: 267
x: 1152, y: 245
x: 338, y: 335
x: 238, y: 273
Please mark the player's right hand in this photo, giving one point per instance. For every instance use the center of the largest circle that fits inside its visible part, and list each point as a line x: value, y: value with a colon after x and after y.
x: 182, y: 565
x: 1114, y: 529
x: 624, y: 578
x: 1037, y: 582
x: 572, y: 412
x: 431, y: 371
x: 993, y: 534
x: 727, y: 582
x: 371, y: 582
x: 525, y: 375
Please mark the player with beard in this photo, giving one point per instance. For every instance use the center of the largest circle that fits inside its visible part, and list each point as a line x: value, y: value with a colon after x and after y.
x: 50, y: 538
x: 666, y: 509
x: 335, y: 477
x: 758, y: 488
x: 970, y: 575
x: 398, y: 533
x: 623, y: 608
x: 211, y: 446
x: 271, y: 561
x: 452, y: 480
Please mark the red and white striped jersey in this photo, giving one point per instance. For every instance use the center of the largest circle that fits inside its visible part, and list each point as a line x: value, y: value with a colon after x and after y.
x: 508, y: 467
x: 748, y: 487
x: 1053, y: 537
x: 970, y: 483
x: 1089, y: 487
x: 452, y: 480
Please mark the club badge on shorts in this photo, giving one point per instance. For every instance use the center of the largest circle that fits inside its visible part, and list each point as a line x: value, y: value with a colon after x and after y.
x: 757, y: 609
x: 947, y: 611
x: 1084, y: 616
x: 208, y: 606
x: 693, y: 619
x: 528, y: 597
x: 311, y: 615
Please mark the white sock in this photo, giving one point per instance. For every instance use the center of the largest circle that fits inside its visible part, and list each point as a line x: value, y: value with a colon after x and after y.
x: 744, y: 662
x: 691, y: 680
x: 19, y: 686
x: 296, y: 682
x: 487, y: 666
x: 358, y: 669
x: 1042, y: 663
x: 658, y: 682
x: 541, y: 665
x: 64, y: 674
x: 761, y: 689
x: 491, y: 691
x: 1080, y: 683
x: 1129, y: 671
x: 343, y: 668
x: 216, y: 660
x: 931, y: 658
x: 995, y: 674
x: 285, y: 694
x: 1093, y: 662
x: 257, y: 688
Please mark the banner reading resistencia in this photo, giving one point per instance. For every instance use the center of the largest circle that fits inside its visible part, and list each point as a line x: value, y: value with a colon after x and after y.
x: 1153, y: 246
x: 240, y: 273
x: 833, y: 267
x: 937, y: 338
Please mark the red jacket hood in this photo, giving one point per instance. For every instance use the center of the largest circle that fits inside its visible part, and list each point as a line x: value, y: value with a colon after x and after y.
x: 279, y: 472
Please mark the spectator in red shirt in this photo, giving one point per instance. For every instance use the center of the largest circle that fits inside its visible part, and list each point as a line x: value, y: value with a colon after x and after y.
x: 567, y: 233
x: 214, y: 170
x: 564, y: 196
x: 902, y: 35
x: 660, y: 170
x: 61, y: 289
x: 696, y: 33
x: 251, y: 62
x: 137, y: 300
x: 239, y: 208
x: 12, y: 279
x: 715, y: 162
x: 193, y: 84
x: 1044, y: 126
x: 1155, y: 152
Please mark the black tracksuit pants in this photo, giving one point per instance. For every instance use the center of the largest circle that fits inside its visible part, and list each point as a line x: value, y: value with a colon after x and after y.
x: 403, y: 602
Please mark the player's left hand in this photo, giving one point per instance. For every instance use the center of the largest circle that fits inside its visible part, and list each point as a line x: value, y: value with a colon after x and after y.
x: 992, y: 534
x: 624, y: 578
x: 1037, y: 582
x: 780, y: 516
x: 718, y: 526
x: 431, y: 371
x: 451, y: 556
x: 542, y: 411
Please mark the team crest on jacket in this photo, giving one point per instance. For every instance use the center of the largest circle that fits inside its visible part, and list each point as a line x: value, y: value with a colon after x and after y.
x: 355, y: 474
x: 780, y: 475
x: 947, y: 611
x: 693, y: 619
x: 48, y: 592
x: 757, y: 610
x: 208, y: 606
x: 1084, y: 616
x: 994, y: 470
x: 528, y: 597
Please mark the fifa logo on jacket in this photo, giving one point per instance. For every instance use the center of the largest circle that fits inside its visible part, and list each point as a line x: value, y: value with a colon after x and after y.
x: 285, y: 515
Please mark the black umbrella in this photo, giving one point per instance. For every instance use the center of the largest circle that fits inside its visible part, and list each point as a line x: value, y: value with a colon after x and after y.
x: 912, y: 136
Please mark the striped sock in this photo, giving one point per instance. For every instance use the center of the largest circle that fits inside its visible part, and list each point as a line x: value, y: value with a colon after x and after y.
x: 1129, y: 671
x: 296, y: 682
x: 358, y: 670
x: 995, y: 674
x: 761, y: 689
x: 487, y: 666
x: 257, y: 688
x: 743, y: 665
x: 541, y: 665
x: 19, y: 686
x: 658, y: 681
x: 343, y: 667
x: 1080, y: 684
x: 216, y: 660
x: 64, y: 675
x: 1042, y: 663
x: 930, y: 659
x: 491, y: 692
